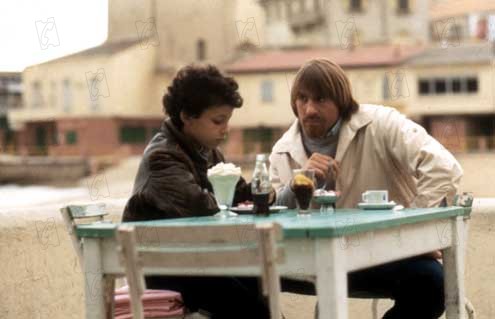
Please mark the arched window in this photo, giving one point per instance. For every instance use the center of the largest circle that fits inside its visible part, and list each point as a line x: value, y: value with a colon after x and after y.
x: 66, y: 95
x: 403, y: 6
x: 201, y: 50
x: 267, y: 91
x: 356, y: 5
x: 385, y: 88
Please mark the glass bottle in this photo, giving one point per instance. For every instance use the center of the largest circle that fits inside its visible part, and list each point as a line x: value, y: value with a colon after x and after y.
x: 261, y: 186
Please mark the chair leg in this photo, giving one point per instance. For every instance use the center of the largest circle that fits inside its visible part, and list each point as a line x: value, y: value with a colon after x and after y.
x: 109, y: 286
x: 374, y: 308
x: 470, y: 310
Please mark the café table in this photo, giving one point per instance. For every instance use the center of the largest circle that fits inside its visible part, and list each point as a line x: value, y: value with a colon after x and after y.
x: 322, y: 246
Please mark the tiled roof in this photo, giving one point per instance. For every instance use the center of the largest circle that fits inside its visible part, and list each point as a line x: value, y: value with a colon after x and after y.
x: 462, y: 54
x: 106, y: 48
x: 9, y: 74
x: 442, y: 9
x: 361, y: 56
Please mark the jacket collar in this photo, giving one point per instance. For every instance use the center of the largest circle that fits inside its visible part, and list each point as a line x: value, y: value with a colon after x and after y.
x: 349, y: 129
x: 187, y: 144
x: 291, y: 141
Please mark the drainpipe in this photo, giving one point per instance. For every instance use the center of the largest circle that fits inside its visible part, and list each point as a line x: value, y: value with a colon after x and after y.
x: 384, y: 20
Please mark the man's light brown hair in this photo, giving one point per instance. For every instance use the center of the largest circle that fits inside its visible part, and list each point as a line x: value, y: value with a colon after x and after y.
x: 325, y: 79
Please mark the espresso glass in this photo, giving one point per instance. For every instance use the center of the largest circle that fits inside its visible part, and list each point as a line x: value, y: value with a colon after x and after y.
x: 303, y: 186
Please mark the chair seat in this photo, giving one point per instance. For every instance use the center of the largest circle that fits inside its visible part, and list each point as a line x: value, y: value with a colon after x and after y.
x: 158, y: 304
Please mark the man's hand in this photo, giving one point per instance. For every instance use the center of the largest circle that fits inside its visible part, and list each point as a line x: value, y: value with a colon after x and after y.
x: 437, y: 254
x: 272, y: 197
x: 322, y: 164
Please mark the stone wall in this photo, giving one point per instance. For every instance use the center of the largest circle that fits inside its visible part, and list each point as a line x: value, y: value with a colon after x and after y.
x: 41, y: 277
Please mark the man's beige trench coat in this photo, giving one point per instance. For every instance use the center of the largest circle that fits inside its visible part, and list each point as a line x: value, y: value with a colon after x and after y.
x: 379, y: 148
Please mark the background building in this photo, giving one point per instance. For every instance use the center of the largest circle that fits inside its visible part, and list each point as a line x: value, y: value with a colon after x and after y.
x: 10, y: 99
x: 453, y: 22
x: 107, y: 100
x: 440, y: 72
x: 433, y: 60
x: 345, y: 23
x: 453, y: 95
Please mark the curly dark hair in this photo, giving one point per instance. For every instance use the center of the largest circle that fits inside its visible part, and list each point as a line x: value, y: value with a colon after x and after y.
x: 197, y: 88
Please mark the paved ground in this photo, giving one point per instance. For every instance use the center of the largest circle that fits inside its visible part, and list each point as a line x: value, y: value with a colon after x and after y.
x: 41, y: 279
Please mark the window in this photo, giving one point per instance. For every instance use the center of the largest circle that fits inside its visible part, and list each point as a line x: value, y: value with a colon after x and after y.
x: 267, y: 91
x: 301, y: 6
x: 37, y: 96
x: 53, y: 94
x: 278, y: 10
x: 257, y: 140
x: 472, y: 85
x: 289, y: 9
x: 132, y: 135
x: 403, y: 6
x: 94, y: 93
x: 201, y: 50
x: 454, y: 85
x: 4, y: 123
x: 71, y: 137
x: 356, y: 5
x: 316, y: 5
x: 440, y: 86
x: 386, y: 93
x: 424, y: 87
x: 66, y: 95
x: 3, y: 101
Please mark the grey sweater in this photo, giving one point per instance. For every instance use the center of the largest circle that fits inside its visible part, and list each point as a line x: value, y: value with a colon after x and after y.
x: 326, y: 145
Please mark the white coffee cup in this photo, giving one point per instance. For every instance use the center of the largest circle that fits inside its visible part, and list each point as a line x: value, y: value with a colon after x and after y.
x: 375, y: 196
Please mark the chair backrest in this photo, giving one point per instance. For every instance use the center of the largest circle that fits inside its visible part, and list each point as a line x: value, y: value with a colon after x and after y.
x: 201, y: 247
x: 72, y: 213
x: 464, y: 200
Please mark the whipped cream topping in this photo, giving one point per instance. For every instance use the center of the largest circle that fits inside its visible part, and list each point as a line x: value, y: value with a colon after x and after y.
x: 322, y: 192
x: 224, y: 169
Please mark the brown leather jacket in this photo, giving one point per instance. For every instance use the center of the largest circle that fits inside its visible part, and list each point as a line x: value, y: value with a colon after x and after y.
x: 172, y: 180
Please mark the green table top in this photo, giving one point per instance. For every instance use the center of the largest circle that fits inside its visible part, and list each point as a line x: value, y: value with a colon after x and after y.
x: 343, y: 222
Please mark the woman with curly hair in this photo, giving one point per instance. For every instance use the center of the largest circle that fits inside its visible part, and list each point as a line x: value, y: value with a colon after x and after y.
x: 172, y: 182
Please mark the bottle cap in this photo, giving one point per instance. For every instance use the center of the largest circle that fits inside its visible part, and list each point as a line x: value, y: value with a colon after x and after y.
x: 261, y: 157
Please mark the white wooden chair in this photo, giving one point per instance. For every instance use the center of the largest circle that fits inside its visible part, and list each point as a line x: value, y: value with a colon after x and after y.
x: 76, y: 214
x: 72, y: 213
x: 217, y: 246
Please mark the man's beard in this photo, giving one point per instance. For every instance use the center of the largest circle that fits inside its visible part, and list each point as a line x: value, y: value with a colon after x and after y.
x: 315, y: 130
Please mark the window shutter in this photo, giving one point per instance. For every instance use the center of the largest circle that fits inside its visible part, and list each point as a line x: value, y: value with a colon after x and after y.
x: 364, y: 5
x: 412, y: 6
x: 346, y: 5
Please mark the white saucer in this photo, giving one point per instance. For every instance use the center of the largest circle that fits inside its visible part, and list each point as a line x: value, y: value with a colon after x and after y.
x: 374, y: 206
x: 249, y: 209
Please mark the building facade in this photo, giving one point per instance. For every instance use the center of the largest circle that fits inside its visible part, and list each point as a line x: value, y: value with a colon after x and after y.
x: 10, y: 99
x: 455, y: 22
x: 344, y: 23
x: 107, y: 100
x: 453, y: 95
x: 447, y: 87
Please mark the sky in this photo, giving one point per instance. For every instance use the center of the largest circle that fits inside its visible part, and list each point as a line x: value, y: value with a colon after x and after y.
x: 35, y: 31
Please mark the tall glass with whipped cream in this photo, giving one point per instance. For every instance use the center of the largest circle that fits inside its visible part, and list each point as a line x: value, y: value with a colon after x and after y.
x: 224, y: 177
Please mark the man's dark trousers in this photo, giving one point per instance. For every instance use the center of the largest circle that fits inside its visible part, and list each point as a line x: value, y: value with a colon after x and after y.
x: 416, y: 285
